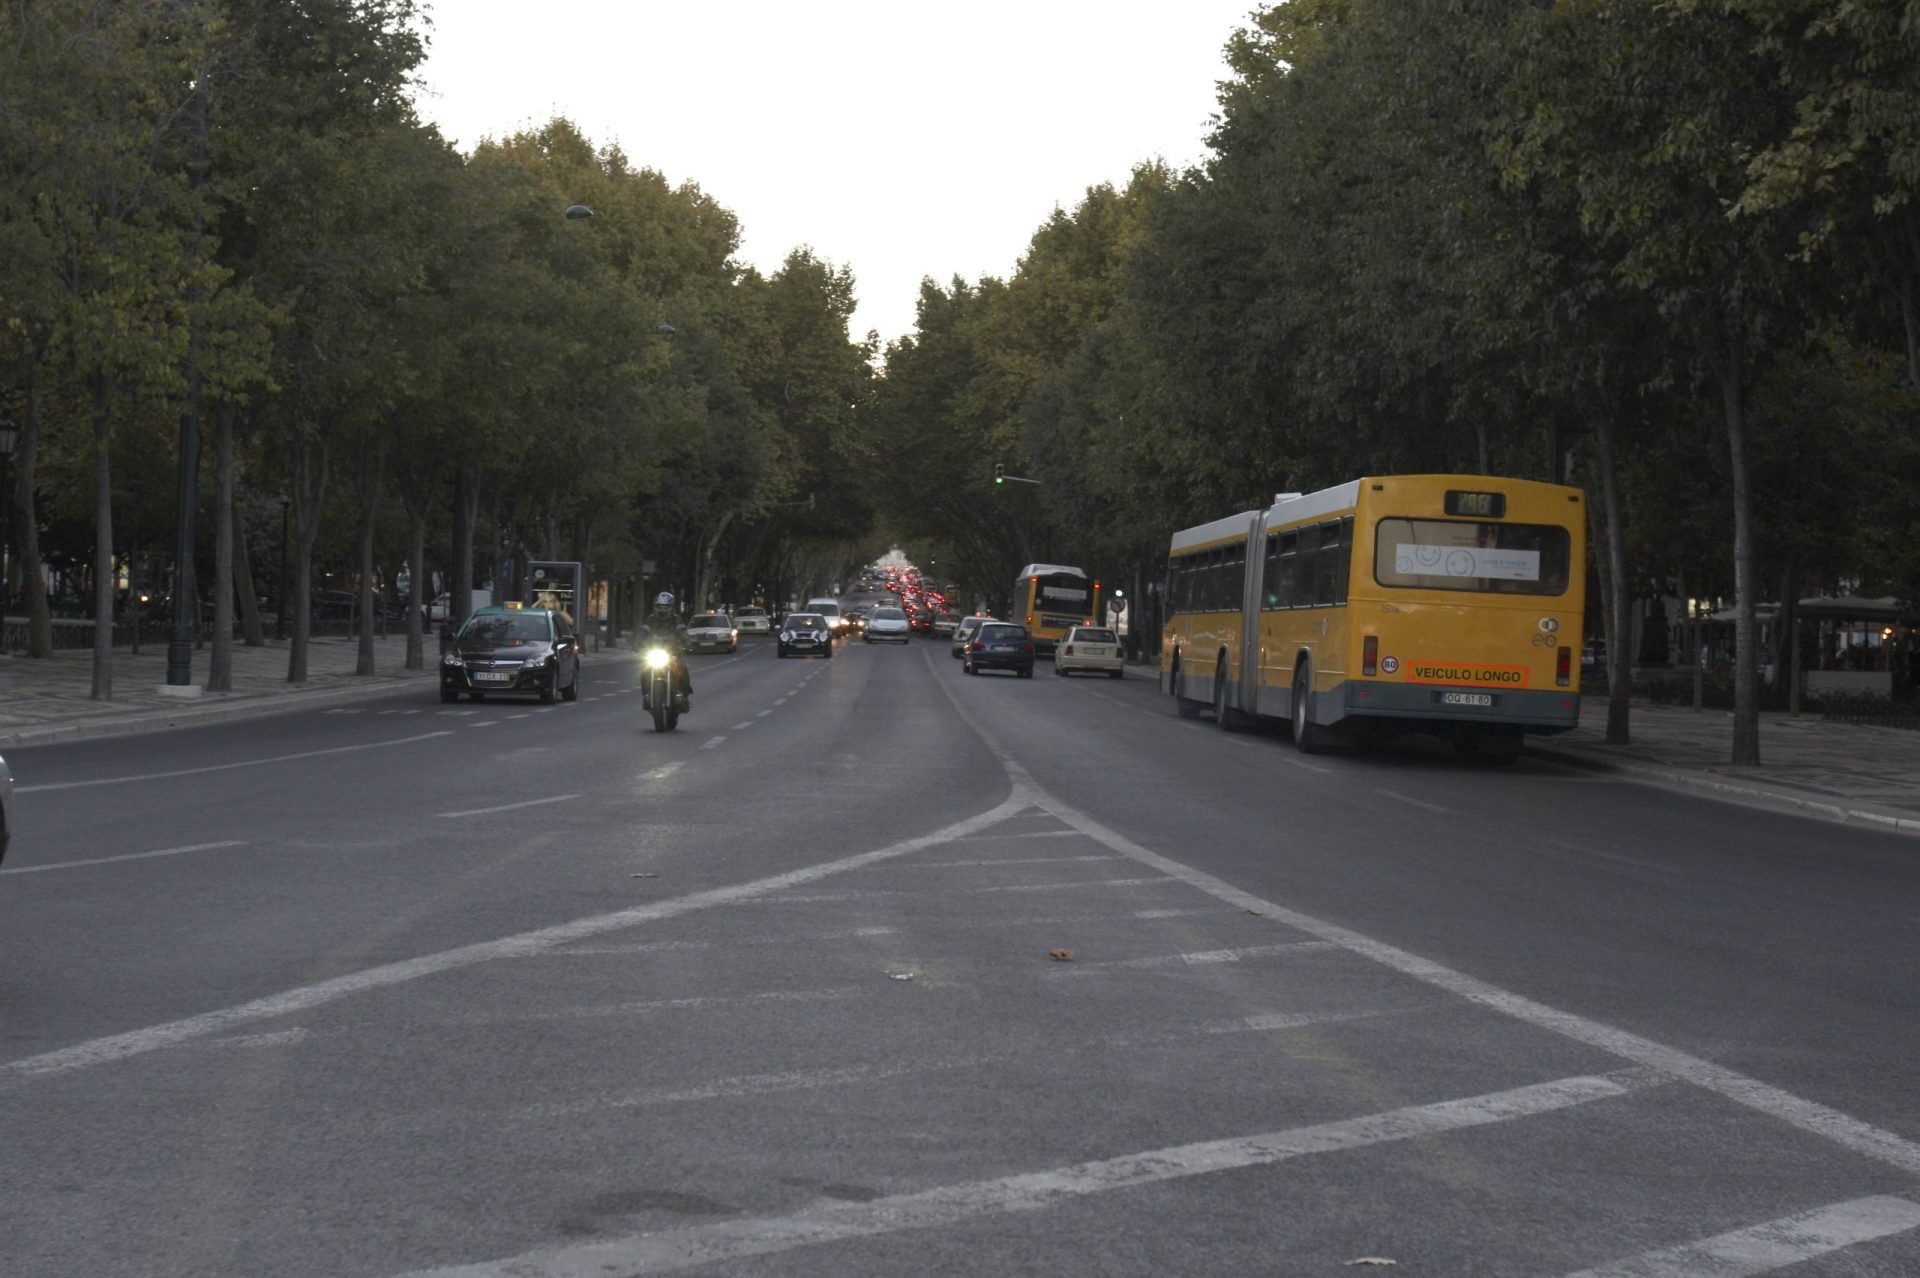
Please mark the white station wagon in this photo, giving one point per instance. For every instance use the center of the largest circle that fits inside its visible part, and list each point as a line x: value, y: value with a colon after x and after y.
x: 1090, y: 648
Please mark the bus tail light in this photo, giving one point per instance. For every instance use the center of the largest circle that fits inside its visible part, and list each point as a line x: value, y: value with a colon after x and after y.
x: 1563, y: 668
x: 1370, y: 655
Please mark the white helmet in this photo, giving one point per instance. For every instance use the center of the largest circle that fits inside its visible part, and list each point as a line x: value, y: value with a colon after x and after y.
x: 664, y: 601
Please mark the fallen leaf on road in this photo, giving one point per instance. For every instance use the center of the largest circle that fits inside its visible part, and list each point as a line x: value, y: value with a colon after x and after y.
x: 643, y: 876
x: 1065, y: 956
x: 1374, y: 1260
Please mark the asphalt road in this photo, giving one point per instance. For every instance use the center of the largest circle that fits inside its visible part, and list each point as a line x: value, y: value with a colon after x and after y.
x: 504, y: 989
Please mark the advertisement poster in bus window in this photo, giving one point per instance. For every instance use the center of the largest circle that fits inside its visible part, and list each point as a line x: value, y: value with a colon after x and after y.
x: 1426, y: 559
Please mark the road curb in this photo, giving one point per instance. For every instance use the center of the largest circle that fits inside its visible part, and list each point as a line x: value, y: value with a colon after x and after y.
x: 187, y: 716
x: 1730, y: 790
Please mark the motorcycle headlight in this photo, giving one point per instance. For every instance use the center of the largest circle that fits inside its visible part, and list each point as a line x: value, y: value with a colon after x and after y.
x: 658, y: 658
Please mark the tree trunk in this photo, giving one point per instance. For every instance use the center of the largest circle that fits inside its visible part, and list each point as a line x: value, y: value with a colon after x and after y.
x: 373, y: 475
x: 220, y: 660
x: 466, y: 508
x: 1619, y: 590
x: 250, y: 632
x: 308, y: 471
x: 703, y: 581
x: 1909, y: 311
x: 26, y: 523
x: 1746, y: 657
x: 103, y: 581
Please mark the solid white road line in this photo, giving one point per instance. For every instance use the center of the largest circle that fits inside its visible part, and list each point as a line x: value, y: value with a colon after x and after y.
x: 131, y: 856
x: 228, y: 767
x: 509, y: 807
x: 669, y: 1250
x: 115, y: 1047
x: 1776, y: 1244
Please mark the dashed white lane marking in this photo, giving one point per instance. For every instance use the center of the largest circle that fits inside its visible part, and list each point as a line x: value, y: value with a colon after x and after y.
x: 344, y: 710
x: 669, y: 1250
x: 521, y: 715
x: 1029, y: 860
x: 662, y: 772
x: 484, y: 723
x: 1776, y: 1244
x: 1409, y: 799
x: 712, y: 743
x: 741, y: 727
x: 781, y: 702
x: 409, y: 712
x: 115, y: 1047
x: 228, y: 767
x: 1198, y: 958
x: 509, y: 807
x: 460, y: 714
x: 1302, y: 763
x: 1061, y: 887
x: 1174, y: 914
x: 763, y: 714
x: 659, y: 947
x: 645, y: 1007
x: 131, y: 856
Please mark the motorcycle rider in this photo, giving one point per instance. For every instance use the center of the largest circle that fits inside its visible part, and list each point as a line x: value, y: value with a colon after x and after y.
x: 662, y: 627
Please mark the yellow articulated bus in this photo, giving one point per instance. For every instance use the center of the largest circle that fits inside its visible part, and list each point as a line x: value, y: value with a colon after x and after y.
x: 1447, y: 604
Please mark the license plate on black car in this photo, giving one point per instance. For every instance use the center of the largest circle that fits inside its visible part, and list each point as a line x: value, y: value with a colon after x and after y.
x: 488, y: 676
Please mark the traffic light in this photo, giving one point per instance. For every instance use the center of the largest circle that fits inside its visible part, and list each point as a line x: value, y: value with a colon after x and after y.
x: 999, y: 473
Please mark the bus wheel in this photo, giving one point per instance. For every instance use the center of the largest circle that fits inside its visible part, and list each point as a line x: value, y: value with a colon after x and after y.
x: 1183, y: 706
x: 1225, y: 717
x: 1308, y: 736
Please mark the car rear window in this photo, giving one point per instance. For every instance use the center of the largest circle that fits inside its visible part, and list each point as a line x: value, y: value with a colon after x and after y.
x: 1094, y: 636
x: 1002, y: 631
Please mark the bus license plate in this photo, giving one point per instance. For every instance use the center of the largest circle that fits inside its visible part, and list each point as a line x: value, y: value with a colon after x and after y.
x: 1466, y: 698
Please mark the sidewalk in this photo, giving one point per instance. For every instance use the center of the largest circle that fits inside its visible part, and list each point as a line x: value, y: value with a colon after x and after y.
x: 49, y: 699
x: 1842, y: 771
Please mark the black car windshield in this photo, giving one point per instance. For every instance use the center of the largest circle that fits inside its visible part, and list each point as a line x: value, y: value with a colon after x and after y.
x: 507, y: 628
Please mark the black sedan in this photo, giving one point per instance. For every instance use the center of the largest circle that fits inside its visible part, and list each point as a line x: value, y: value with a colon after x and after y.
x: 804, y: 633
x: 512, y: 650
x: 999, y: 645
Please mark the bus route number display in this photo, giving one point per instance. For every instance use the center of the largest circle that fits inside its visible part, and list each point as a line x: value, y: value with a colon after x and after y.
x: 1476, y: 505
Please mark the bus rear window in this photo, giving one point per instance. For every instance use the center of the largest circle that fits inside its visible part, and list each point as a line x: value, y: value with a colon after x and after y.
x: 1491, y: 558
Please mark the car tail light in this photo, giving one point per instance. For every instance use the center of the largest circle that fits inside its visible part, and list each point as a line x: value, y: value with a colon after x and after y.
x: 1027, y: 648
x: 1067, y: 651
x: 1563, y: 668
x: 978, y: 646
x: 1370, y: 655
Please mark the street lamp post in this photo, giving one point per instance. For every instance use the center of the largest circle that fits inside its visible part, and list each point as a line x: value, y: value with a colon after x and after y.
x: 9, y: 440
x: 280, y: 611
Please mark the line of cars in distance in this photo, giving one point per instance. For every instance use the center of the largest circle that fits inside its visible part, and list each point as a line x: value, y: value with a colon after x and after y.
x: 986, y: 643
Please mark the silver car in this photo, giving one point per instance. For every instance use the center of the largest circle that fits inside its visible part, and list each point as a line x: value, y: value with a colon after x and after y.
x: 712, y: 632
x: 889, y: 625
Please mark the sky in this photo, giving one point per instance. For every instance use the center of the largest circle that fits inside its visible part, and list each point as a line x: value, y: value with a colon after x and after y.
x: 902, y: 139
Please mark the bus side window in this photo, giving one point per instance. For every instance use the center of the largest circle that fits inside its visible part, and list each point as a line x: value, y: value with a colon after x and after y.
x: 1236, y: 578
x: 1326, y: 564
x: 1270, y: 574
x: 1303, y: 567
x: 1344, y: 565
x: 1216, y: 579
x: 1283, y: 580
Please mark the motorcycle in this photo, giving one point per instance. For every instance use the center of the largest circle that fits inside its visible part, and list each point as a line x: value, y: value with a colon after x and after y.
x: 659, y: 689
